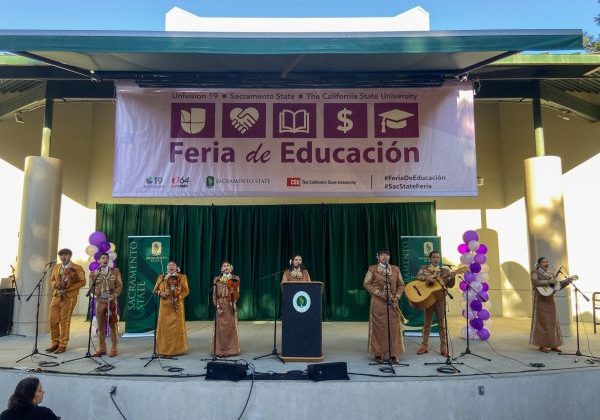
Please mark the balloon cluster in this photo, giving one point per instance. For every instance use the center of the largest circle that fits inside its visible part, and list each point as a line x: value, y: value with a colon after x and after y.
x: 475, y: 286
x: 99, y: 245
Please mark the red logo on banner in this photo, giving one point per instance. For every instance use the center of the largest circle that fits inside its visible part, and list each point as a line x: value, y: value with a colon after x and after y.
x: 293, y: 182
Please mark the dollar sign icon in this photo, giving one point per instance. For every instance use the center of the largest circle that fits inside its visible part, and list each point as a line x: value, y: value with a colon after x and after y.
x: 347, y: 123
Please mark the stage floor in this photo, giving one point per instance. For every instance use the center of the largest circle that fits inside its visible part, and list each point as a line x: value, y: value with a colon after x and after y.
x: 508, y: 350
x: 505, y: 387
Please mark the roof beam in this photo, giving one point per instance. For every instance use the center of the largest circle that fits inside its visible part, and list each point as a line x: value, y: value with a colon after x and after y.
x: 577, y: 106
x: 22, y: 100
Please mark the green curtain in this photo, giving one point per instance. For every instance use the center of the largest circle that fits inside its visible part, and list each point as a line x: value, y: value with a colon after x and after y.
x: 337, y: 242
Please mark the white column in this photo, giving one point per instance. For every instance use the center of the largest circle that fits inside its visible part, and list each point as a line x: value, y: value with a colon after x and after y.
x: 546, y: 224
x: 38, y: 239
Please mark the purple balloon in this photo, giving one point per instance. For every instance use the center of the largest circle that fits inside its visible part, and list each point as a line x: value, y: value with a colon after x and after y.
x: 475, y: 267
x: 484, y: 314
x: 482, y: 249
x: 476, y: 305
x: 484, y: 296
x: 94, y: 266
x: 470, y: 235
x: 463, y: 249
x: 463, y: 285
x: 97, y: 238
x: 469, y: 277
x: 476, y: 323
x: 485, y: 287
x: 483, y: 333
x: 480, y: 259
x: 97, y: 255
x: 104, y: 246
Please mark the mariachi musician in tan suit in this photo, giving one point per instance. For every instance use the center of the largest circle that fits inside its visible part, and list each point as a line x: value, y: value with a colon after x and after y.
x: 428, y: 273
x: 172, y: 288
x: 66, y: 279
x: 545, y: 329
x: 296, y: 271
x: 383, y: 280
x: 106, y: 285
x: 226, y: 339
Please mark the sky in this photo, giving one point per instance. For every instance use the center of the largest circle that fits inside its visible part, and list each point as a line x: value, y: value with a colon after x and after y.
x: 149, y: 15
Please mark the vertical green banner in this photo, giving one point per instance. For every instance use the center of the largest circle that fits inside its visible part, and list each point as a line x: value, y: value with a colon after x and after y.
x: 147, y: 258
x: 414, y: 252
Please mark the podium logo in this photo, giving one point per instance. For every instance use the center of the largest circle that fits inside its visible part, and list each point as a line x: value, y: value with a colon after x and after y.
x: 301, y: 301
x: 156, y: 249
x: 427, y: 248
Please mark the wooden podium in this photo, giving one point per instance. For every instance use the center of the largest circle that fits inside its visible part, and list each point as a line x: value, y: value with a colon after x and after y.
x: 301, y: 329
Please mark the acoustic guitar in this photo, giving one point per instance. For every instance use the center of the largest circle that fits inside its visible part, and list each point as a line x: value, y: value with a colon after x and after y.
x: 549, y: 290
x: 421, y: 295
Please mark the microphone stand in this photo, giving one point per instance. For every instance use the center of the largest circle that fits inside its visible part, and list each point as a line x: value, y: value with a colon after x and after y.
x: 39, y: 287
x: 274, y: 352
x: 390, y: 364
x: 88, y: 355
x: 577, y: 353
x: 155, y: 354
x: 448, y: 364
x: 468, y: 350
x: 214, y: 346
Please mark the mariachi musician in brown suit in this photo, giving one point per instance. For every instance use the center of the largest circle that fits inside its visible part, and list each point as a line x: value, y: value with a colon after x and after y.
x: 106, y: 285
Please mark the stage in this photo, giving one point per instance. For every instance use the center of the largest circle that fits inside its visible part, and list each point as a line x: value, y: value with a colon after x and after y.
x: 506, y: 386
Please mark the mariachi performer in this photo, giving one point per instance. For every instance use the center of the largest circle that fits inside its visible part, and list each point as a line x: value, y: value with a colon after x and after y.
x: 296, y: 271
x: 106, y: 286
x: 172, y: 288
x: 384, y: 283
x: 67, y: 278
x: 226, y: 340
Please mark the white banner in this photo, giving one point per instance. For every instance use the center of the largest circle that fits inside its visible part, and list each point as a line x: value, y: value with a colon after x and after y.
x: 302, y: 142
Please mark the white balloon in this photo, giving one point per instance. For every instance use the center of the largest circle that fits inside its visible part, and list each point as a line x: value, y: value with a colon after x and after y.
x: 111, y: 264
x: 476, y: 285
x: 472, y: 333
x: 91, y: 250
x: 485, y: 268
x: 112, y: 256
x: 487, y: 305
x: 482, y: 277
x: 473, y: 245
x: 112, y: 247
x: 91, y: 259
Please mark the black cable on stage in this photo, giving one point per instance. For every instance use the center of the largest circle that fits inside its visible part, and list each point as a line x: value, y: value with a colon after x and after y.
x: 48, y: 364
x: 112, y: 392
x: 252, y: 371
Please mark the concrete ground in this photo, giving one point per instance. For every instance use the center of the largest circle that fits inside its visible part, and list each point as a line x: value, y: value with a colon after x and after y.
x: 505, y: 386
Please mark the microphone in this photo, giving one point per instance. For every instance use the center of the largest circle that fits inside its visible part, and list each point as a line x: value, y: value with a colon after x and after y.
x: 50, y: 263
x: 560, y: 271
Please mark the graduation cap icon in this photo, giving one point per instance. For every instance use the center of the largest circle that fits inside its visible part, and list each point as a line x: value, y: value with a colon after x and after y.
x: 394, y: 118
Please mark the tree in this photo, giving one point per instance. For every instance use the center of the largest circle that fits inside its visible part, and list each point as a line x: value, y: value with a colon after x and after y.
x: 591, y: 43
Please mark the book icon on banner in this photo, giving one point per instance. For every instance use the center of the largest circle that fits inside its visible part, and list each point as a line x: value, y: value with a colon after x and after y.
x: 193, y: 121
x: 294, y: 121
x: 394, y: 119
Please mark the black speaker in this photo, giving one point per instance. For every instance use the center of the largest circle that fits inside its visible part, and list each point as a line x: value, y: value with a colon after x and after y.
x: 7, y: 302
x: 328, y: 371
x: 224, y: 371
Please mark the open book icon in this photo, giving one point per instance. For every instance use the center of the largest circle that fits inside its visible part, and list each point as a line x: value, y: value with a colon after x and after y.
x: 294, y: 121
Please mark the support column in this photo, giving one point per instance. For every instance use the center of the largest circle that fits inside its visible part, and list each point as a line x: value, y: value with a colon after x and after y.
x: 38, y: 238
x: 546, y: 224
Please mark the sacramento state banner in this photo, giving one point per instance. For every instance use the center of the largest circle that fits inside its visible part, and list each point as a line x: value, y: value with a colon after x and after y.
x: 415, y: 253
x: 378, y: 142
x: 148, y: 257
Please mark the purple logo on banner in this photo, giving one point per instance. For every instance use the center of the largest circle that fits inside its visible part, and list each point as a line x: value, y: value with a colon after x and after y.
x: 244, y: 120
x: 399, y: 120
x: 193, y: 120
x: 345, y: 120
x: 294, y: 121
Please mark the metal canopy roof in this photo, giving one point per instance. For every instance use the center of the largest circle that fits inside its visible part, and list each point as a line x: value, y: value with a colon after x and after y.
x: 62, y: 62
x: 119, y: 54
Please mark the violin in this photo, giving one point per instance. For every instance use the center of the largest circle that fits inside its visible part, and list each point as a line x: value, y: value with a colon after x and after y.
x: 113, y: 318
x: 66, y: 281
x: 174, y: 284
x: 233, y: 291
